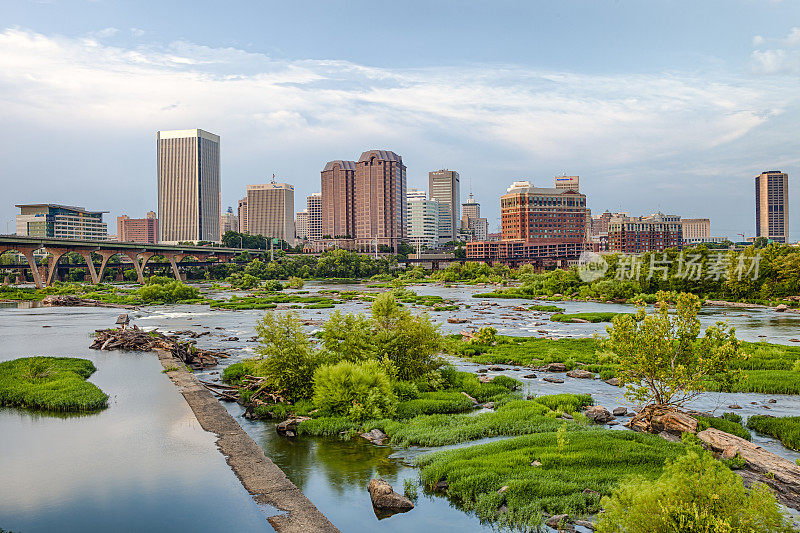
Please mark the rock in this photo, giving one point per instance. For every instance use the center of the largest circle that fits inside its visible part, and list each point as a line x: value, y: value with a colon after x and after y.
x: 520, y: 308
x: 614, y: 382
x: 473, y: 400
x: 441, y: 485
x: 613, y: 423
x: 483, y: 378
x: 620, y: 411
x: 552, y: 379
x: 496, y: 368
x: 580, y: 374
x: 599, y: 414
x: 557, y: 521
x: 794, y: 340
x: 376, y: 436
x: 529, y: 376
x: 288, y: 427
x: 556, y: 367
x: 515, y: 369
x: 730, y: 452
x: 567, y: 416
x: 781, y: 308
x: 502, y: 489
x: 669, y: 436
x: 585, y: 523
x: 579, y: 321
x: 734, y: 406
x: 589, y: 491
x: 385, y: 498
x: 453, y: 320
x: 772, y: 400
x: 488, y: 405
x: 660, y: 418
x: 482, y: 370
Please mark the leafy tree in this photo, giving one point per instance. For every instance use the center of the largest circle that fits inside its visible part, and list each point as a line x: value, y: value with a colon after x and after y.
x: 257, y: 269
x: 661, y: 360
x: 694, y: 493
x: 348, y: 337
x: 359, y: 391
x: 295, y: 283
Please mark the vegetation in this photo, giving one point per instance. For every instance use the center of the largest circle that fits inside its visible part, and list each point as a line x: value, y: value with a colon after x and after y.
x: 269, y: 301
x: 164, y: 290
x: 662, y: 361
x: 50, y: 383
x: 540, y: 477
x: 358, y: 391
x: 727, y: 425
x: 589, y: 317
x: 785, y: 429
x: 695, y: 492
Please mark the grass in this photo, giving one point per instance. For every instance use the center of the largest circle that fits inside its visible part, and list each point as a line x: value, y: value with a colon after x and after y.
x: 592, y: 459
x: 434, y: 402
x: 514, y: 418
x: 589, y: 317
x: 546, y: 308
x: 330, y: 426
x: 785, y: 429
x: 50, y: 383
x: 722, y: 424
x: 271, y: 301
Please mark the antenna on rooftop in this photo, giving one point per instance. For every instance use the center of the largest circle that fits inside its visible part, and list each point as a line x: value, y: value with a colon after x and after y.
x: 273, y: 178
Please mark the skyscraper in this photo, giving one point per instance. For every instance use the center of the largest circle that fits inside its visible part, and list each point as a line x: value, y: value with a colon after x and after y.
x: 444, y: 185
x: 243, y: 215
x: 469, y: 209
x: 314, y: 208
x: 301, y: 225
x: 772, y: 205
x: 380, y: 199
x: 188, y: 185
x: 541, y: 214
x: 423, y: 220
x: 338, y: 199
x: 270, y: 210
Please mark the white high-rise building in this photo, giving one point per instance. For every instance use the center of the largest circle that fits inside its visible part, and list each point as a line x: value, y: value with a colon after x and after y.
x: 423, y: 219
x: 270, y: 210
x: 314, y: 209
x: 301, y: 225
x: 188, y: 186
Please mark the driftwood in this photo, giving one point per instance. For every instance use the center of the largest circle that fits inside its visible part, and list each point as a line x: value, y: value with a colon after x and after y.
x: 65, y: 300
x: 138, y: 340
x: 782, y: 475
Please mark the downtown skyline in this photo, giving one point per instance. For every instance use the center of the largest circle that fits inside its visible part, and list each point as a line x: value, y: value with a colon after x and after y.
x: 646, y: 131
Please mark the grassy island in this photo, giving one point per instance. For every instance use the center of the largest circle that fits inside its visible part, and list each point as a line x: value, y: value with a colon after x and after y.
x: 50, y: 383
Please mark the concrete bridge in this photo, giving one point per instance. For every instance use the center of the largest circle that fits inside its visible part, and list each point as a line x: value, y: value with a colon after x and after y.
x: 138, y: 253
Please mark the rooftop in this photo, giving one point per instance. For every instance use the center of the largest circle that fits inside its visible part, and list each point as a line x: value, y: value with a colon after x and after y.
x: 344, y: 165
x: 60, y: 206
x: 382, y: 155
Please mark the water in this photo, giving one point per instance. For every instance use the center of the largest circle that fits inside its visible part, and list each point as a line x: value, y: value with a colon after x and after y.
x: 146, y: 463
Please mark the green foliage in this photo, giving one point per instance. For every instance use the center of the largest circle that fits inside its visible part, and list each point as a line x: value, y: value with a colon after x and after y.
x: 285, y: 356
x: 410, y: 489
x: 239, y: 280
x: 405, y: 390
x: 327, y: 426
x: 694, y: 493
x: 234, y: 373
x: 660, y: 357
x: 168, y: 292
x: 722, y: 424
x: 786, y: 429
x: 358, y: 391
x: 269, y: 301
x: 566, y: 403
x: 589, y: 317
x: 434, y: 402
x: 273, y: 285
x: 486, y: 335
x: 348, y: 337
x: 295, y: 283
x: 50, y: 383
x: 594, y: 459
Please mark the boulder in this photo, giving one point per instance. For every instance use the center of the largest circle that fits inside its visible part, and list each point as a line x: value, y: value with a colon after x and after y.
x: 585, y: 523
x: 781, y: 308
x: 556, y: 367
x: 386, y: 499
x: 473, y: 400
x: 660, y: 418
x: 552, y: 379
x: 529, y: 376
x: 579, y: 321
x: 488, y: 405
x: 772, y: 400
x: 580, y: 374
x: 441, y: 486
x: 598, y: 414
x: 454, y: 320
x: 288, y: 428
x: 376, y: 436
x: 557, y: 521
x: 614, y: 382
x: 620, y: 411
x: 734, y: 406
x: 496, y: 368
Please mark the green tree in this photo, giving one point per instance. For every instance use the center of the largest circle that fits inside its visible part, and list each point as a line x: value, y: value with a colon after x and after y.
x: 359, y: 391
x: 661, y: 360
x: 694, y: 493
x: 348, y: 337
x: 285, y: 356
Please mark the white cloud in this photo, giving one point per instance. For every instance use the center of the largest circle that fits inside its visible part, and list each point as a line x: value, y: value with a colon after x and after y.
x: 770, y: 61
x: 793, y: 39
x: 104, y: 33
x: 758, y: 40
x: 137, y: 32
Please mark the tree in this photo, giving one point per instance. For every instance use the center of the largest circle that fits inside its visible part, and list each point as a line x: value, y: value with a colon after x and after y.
x: 661, y: 360
x: 348, y: 338
x: 285, y: 356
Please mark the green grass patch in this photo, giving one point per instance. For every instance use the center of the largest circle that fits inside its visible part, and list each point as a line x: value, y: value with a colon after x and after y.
x: 571, y: 462
x: 589, y: 317
x: 434, y: 402
x: 722, y: 424
x: 785, y: 429
x: 546, y: 308
x: 50, y: 383
x: 271, y: 301
x: 330, y: 426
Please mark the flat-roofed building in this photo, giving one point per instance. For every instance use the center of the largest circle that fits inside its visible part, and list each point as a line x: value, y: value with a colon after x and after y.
x: 138, y: 229
x: 696, y: 230
x: 58, y: 221
x: 228, y: 221
x: 270, y: 210
x: 540, y: 214
x: 445, y: 186
x: 380, y: 199
x: 301, y: 225
x: 772, y: 205
x: 338, y: 199
x: 652, y: 233
x: 568, y: 182
x: 188, y: 185
x: 242, y: 211
x: 314, y: 209
x: 423, y: 219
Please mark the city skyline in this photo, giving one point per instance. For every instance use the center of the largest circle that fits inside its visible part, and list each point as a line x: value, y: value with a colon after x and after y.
x: 658, y: 126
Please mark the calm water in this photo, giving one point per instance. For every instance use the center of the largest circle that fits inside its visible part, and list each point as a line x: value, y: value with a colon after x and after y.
x: 146, y: 463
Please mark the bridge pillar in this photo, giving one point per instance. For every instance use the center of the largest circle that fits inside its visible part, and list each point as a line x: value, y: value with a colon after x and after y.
x: 87, y: 256
x: 52, y: 266
x: 106, y: 255
x: 27, y: 252
x: 135, y: 256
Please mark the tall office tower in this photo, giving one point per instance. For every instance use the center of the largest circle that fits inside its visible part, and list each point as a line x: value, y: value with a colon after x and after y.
x: 301, y: 225
x: 413, y: 193
x: 380, y: 199
x: 270, y: 210
x: 444, y: 185
x: 138, y: 229
x: 338, y: 199
x: 423, y: 220
x: 314, y: 208
x: 228, y: 222
x: 772, y: 205
x: 545, y: 215
x: 469, y: 210
x: 568, y: 182
x: 243, y: 215
x: 188, y: 185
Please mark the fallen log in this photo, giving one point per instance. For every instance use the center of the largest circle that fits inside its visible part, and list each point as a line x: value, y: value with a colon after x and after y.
x: 780, y: 474
x: 65, y: 300
x: 140, y: 341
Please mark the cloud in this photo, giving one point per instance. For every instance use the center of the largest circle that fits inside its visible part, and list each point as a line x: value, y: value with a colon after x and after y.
x: 758, y: 40
x: 793, y: 39
x: 137, y: 32
x: 782, y: 60
x: 104, y: 33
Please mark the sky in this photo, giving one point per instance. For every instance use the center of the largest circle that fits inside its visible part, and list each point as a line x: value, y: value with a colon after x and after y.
x: 659, y: 105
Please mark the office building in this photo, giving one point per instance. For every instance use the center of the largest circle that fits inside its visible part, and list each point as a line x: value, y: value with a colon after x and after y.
x: 301, y: 225
x: 242, y: 211
x: 568, y: 182
x: 542, y: 214
x: 469, y: 209
x: 478, y: 229
x: 270, y: 210
x: 188, y: 185
x: 338, y: 199
x: 652, y: 233
x: 314, y: 209
x: 380, y: 199
x: 57, y: 221
x: 423, y: 220
x: 138, y: 229
x: 444, y: 186
x: 772, y: 205
x: 228, y: 222
x: 696, y: 230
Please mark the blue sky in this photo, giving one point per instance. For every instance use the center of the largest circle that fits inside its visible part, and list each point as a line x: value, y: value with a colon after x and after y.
x: 670, y: 105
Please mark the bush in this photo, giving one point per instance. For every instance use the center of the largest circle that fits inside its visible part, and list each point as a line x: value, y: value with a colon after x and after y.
x: 405, y: 390
x: 787, y: 429
x: 722, y: 424
x: 358, y: 391
x: 273, y: 285
x: 169, y: 292
x: 694, y: 493
x: 295, y: 283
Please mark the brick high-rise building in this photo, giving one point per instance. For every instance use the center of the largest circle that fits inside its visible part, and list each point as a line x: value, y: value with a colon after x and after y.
x: 243, y: 215
x: 188, y: 185
x: 772, y: 205
x: 469, y: 209
x: 314, y: 208
x: 444, y: 186
x: 652, y: 233
x: 541, y: 214
x: 270, y: 210
x: 380, y: 199
x: 138, y: 229
x: 338, y: 199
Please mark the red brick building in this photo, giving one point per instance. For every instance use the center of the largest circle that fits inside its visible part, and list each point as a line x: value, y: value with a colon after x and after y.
x: 138, y: 229
x: 338, y: 199
x: 653, y: 233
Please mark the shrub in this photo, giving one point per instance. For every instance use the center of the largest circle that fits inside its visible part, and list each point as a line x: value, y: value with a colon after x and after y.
x: 170, y: 292
x: 359, y: 391
x: 787, y: 429
x: 694, y: 493
x: 295, y: 283
x: 245, y: 281
x: 405, y: 390
x: 485, y: 335
x: 722, y: 424
x: 273, y: 285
